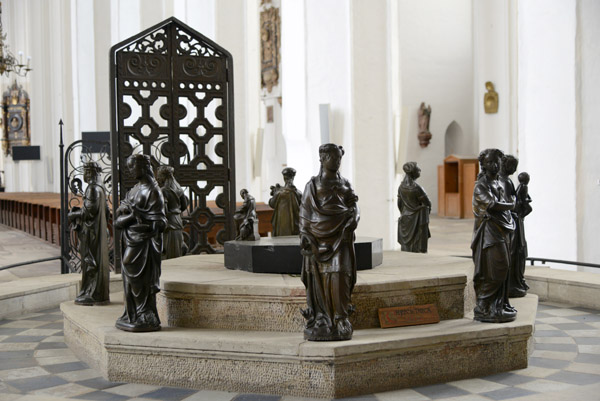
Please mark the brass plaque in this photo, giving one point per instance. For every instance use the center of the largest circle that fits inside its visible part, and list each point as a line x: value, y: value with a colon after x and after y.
x: 408, y: 315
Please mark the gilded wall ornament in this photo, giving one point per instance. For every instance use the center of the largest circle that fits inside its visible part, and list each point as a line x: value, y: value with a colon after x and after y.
x: 16, y: 129
x: 490, y: 99
x: 270, y: 41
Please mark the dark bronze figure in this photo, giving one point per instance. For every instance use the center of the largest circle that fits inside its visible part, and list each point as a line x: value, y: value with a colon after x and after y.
x: 175, y: 204
x: 494, y: 225
x: 415, y: 206
x: 90, y: 224
x: 329, y: 215
x: 517, y: 286
x: 141, y: 218
x: 245, y: 218
x: 286, y: 204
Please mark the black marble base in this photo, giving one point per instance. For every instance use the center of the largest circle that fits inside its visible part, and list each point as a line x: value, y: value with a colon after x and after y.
x: 282, y: 254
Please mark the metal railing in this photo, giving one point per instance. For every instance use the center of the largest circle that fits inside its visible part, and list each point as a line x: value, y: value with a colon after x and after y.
x: 29, y: 262
x: 564, y: 262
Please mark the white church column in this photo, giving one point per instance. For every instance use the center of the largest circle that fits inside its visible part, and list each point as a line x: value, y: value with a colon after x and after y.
x: 371, y: 125
x: 588, y: 140
x: 547, y: 124
x: 494, y: 52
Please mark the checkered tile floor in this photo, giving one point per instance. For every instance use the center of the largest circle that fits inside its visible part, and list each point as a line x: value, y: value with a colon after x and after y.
x: 34, y: 360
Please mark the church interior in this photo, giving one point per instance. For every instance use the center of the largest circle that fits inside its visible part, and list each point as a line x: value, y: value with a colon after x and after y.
x: 235, y: 100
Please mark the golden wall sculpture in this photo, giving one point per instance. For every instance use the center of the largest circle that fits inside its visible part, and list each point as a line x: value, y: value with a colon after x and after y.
x: 16, y: 128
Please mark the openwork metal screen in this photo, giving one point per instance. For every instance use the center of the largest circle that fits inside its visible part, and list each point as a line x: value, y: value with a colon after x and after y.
x: 172, y: 99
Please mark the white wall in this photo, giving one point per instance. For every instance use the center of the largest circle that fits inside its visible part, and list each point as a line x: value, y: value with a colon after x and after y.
x: 588, y: 129
x: 547, y: 124
x: 436, y: 65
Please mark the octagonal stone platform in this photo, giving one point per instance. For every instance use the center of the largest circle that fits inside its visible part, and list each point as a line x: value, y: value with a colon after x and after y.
x: 196, y: 291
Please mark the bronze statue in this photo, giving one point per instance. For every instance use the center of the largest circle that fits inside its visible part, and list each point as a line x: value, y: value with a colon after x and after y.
x: 494, y: 225
x: 490, y: 99
x: 286, y: 204
x: 517, y: 286
x: 245, y: 218
x: 175, y: 204
x: 424, y: 134
x: 329, y: 215
x: 141, y: 218
x: 415, y: 206
x: 90, y: 224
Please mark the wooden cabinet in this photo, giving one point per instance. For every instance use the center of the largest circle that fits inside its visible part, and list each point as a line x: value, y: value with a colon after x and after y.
x: 456, y: 179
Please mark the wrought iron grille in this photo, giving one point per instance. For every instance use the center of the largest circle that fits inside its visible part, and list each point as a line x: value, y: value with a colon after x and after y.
x: 172, y: 99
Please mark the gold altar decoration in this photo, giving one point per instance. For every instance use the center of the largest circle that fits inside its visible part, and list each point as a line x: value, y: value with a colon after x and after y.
x: 490, y: 99
x: 270, y: 41
x: 16, y: 129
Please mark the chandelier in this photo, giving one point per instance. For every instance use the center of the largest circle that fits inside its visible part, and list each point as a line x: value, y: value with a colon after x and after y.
x: 8, y: 62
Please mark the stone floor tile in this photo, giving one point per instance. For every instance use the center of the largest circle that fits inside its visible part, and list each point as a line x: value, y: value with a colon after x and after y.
x: 588, y: 358
x: 2, y: 338
x: 589, y: 349
x: 587, y: 340
x: 536, y: 371
x: 23, y: 373
x: 284, y: 398
x: 553, y: 320
x: 66, y: 367
x: 407, y: 394
x: 99, y: 395
x: 54, y: 325
x: 590, y: 368
x: 17, y: 346
x: 24, y: 339
x: 171, y: 394
x: 554, y: 340
x: 10, y: 397
x: 544, y: 386
x: 80, y: 375
x: 50, y: 345
x: 9, y: 364
x: 22, y: 324
x: 15, y: 355
x: 565, y: 312
x: 477, y: 385
x: 36, y: 383
x: 548, y: 363
x: 508, y: 378
x: 574, y: 326
x: 369, y: 397
x: 66, y: 390
x: 507, y: 393
x: 468, y: 397
x: 591, y: 318
x: 53, y: 360
x: 583, y: 333
x: 10, y: 331
x: 573, y: 378
x: 39, y: 332
x: 549, y: 333
x: 132, y: 389
x: 47, y: 317
x: 563, y: 356
x: 595, y: 324
x: 544, y: 327
x: 438, y: 391
x: 46, y: 353
x: 556, y: 347
x: 54, y: 339
x: 99, y: 383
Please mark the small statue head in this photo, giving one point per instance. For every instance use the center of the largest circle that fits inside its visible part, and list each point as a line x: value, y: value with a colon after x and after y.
x: 412, y: 170
x: 288, y: 175
x: 524, y: 178
x: 91, y: 170
x: 140, y: 166
x: 243, y: 193
x: 489, y: 86
x: 163, y: 173
x: 490, y: 160
x: 330, y: 156
x: 509, y: 165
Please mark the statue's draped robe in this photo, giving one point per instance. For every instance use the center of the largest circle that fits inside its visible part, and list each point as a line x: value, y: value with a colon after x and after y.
x: 491, y: 247
x: 245, y: 217
x: 326, y: 217
x: 142, y: 253
x: 286, y: 209
x: 517, y: 284
x: 93, y: 246
x: 413, y: 224
x: 175, y: 202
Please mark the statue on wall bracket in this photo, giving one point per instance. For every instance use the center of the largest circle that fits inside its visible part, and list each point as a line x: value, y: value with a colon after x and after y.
x: 270, y: 41
x: 490, y: 99
x: 424, y: 117
x: 16, y: 128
